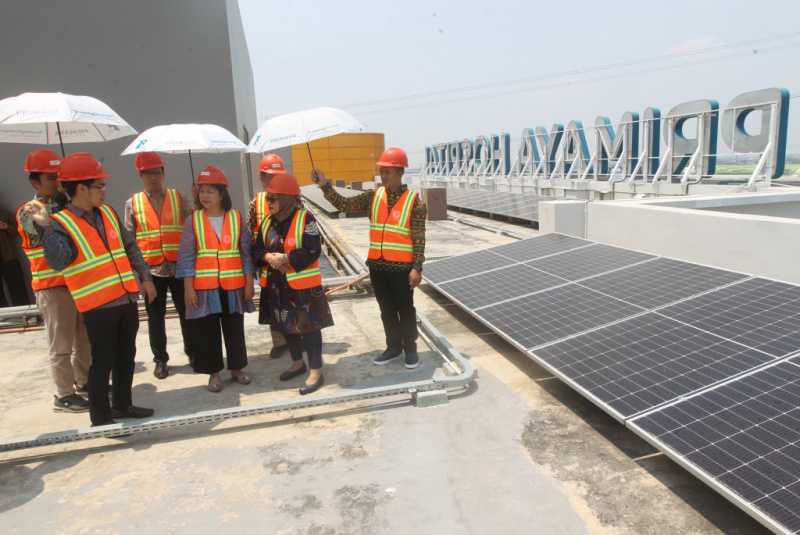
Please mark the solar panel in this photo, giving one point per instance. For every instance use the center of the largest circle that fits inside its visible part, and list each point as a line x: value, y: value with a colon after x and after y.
x: 758, y: 313
x: 646, y: 361
x: 463, y: 265
x: 550, y: 315
x: 588, y: 261
x: 660, y: 282
x: 493, y: 286
x: 523, y: 206
x: 540, y: 246
x: 743, y: 436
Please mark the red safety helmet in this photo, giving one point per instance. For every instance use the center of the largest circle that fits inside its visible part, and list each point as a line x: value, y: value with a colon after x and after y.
x: 148, y: 160
x: 393, y: 157
x: 42, y: 161
x: 81, y: 166
x: 272, y: 164
x: 212, y: 175
x: 284, y: 184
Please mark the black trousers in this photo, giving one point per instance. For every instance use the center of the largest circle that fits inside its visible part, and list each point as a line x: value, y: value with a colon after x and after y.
x: 396, y: 301
x: 208, y: 333
x: 311, y: 342
x: 112, y: 334
x: 11, y: 274
x: 155, y: 318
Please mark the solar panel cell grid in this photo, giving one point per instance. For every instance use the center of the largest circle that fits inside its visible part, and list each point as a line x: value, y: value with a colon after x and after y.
x: 538, y: 247
x: 463, y: 265
x: 643, y: 362
x: 588, y: 261
x: 660, y: 282
x: 758, y: 313
x: 553, y: 314
x: 487, y: 288
x: 745, y: 435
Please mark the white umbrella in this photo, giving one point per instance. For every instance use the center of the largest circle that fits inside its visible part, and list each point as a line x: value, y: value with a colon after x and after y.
x: 48, y: 118
x: 303, y: 127
x: 185, y: 139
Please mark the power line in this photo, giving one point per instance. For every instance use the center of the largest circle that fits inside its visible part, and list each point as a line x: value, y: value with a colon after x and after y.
x: 578, y: 71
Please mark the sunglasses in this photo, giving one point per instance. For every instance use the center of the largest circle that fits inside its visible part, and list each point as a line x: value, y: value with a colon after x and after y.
x: 270, y: 198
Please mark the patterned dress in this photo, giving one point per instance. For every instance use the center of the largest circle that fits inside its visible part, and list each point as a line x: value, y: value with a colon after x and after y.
x: 291, y: 311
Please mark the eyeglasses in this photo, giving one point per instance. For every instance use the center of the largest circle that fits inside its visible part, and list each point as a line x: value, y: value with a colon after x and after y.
x: 270, y: 198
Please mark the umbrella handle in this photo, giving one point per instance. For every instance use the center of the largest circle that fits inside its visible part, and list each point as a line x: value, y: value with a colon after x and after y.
x: 191, y: 166
x: 313, y: 167
x: 60, y: 140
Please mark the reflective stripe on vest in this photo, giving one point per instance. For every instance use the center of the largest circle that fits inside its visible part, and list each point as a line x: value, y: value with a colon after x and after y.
x: 98, y: 274
x: 262, y: 212
x: 264, y: 271
x: 218, y: 265
x: 42, y: 275
x: 158, y: 237
x: 390, y: 230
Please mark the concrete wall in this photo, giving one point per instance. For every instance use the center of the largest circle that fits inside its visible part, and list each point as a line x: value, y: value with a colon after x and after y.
x: 788, y: 209
x: 153, y: 62
x: 757, y: 244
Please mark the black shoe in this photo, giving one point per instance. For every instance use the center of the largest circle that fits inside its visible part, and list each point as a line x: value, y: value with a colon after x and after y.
x: 278, y: 351
x: 387, y: 356
x: 412, y: 359
x: 70, y: 403
x: 110, y: 421
x: 162, y: 370
x: 288, y: 375
x: 132, y: 412
x: 310, y: 389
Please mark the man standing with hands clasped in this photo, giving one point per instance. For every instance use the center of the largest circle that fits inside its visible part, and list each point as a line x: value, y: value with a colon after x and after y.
x: 396, y: 250
x: 99, y: 261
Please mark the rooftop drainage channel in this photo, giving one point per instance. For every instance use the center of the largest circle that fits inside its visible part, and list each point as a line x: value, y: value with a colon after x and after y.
x: 440, y: 385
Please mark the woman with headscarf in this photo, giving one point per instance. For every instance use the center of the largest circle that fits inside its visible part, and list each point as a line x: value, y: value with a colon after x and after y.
x: 289, y: 245
x: 215, y: 263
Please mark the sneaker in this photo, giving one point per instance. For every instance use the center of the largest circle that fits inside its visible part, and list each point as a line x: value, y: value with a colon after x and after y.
x: 70, y: 403
x: 412, y: 359
x: 387, y: 356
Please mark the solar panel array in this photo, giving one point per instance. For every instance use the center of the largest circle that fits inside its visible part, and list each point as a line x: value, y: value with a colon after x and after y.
x: 655, y: 342
x: 523, y: 206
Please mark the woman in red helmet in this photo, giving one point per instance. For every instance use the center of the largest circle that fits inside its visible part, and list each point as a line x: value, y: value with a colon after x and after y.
x: 288, y: 244
x: 214, y: 261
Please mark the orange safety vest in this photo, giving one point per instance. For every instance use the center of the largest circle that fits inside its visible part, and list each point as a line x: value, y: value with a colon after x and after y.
x: 390, y: 231
x: 98, y: 274
x: 218, y: 264
x: 42, y: 275
x: 310, y: 277
x: 158, y: 237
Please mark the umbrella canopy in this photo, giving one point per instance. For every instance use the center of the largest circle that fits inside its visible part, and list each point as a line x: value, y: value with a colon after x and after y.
x: 185, y: 139
x: 302, y: 127
x: 49, y: 118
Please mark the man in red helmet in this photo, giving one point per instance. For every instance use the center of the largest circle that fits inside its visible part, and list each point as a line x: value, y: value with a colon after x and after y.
x: 100, y: 262
x: 269, y: 166
x: 68, y: 343
x: 155, y: 216
x: 396, y: 251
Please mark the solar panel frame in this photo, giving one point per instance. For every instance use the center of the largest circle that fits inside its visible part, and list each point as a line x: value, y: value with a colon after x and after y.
x: 770, y: 512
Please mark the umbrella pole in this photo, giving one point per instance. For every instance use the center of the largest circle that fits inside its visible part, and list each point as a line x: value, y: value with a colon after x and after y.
x: 60, y: 141
x: 313, y: 167
x: 191, y: 166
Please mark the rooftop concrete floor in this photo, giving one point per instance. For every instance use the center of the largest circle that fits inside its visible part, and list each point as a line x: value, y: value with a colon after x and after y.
x: 520, y: 453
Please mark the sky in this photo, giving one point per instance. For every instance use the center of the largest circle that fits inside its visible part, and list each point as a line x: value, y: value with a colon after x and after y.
x: 424, y: 72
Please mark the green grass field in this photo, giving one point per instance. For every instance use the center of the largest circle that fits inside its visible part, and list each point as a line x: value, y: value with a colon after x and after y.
x: 746, y: 169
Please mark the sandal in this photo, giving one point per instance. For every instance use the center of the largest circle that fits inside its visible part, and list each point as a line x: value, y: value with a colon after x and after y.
x: 241, y: 378
x: 214, y: 386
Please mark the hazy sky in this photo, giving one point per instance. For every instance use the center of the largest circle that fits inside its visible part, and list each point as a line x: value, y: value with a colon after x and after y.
x: 410, y: 69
